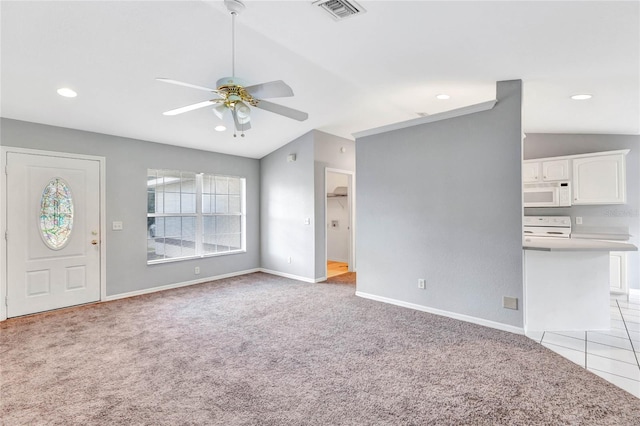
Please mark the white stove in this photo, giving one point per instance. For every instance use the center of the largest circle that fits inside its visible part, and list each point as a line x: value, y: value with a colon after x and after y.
x: 547, y: 226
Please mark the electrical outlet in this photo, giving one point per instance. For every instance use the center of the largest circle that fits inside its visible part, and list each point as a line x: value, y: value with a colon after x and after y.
x: 510, y: 302
x: 422, y: 283
x: 578, y: 220
x: 197, y: 270
x: 289, y: 259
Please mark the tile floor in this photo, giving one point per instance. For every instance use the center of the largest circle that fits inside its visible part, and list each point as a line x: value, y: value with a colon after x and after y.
x: 613, y: 355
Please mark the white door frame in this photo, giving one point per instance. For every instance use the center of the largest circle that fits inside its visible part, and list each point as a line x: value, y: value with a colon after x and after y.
x: 3, y: 217
x: 352, y: 216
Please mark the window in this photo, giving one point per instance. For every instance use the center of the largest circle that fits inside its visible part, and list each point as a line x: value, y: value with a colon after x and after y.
x: 56, y: 214
x: 193, y: 215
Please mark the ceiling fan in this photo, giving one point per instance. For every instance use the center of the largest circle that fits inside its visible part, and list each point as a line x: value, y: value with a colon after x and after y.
x: 235, y: 96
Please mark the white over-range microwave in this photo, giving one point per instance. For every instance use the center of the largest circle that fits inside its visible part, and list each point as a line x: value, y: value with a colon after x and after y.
x: 547, y: 194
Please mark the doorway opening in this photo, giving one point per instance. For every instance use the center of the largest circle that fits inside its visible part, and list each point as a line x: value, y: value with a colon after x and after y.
x: 339, y: 216
x: 336, y: 268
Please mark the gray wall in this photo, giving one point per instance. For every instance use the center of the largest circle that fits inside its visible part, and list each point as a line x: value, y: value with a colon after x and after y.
x: 127, y: 161
x: 292, y: 192
x: 286, y: 199
x: 539, y: 145
x: 327, y: 154
x: 442, y: 201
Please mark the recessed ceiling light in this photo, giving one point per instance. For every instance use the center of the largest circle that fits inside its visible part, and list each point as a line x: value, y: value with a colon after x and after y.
x: 67, y: 93
x: 442, y: 96
x: 220, y: 128
x: 581, y: 97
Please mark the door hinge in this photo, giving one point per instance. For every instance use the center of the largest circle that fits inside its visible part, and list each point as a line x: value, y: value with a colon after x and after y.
x: 6, y: 235
x: 6, y: 170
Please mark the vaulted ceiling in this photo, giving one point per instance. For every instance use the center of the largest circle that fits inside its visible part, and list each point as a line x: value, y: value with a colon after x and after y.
x: 380, y: 67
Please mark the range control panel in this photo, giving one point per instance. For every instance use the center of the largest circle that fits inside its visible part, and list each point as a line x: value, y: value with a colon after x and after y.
x: 562, y: 221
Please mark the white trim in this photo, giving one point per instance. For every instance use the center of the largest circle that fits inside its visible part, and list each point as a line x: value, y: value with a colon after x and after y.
x: 178, y: 285
x: 3, y: 215
x: 471, y: 109
x: 634, y: 293
x: 292, y: 276
x: 461, y: 317
x: 3, y: 229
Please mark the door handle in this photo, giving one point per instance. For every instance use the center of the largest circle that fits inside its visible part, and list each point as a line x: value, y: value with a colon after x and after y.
x: 94, y: 242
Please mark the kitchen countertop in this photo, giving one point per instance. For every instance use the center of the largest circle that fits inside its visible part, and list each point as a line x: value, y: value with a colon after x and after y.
x: 573, y: 244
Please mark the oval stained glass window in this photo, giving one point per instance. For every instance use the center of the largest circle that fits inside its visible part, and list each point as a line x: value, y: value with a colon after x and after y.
x: 56, y: 214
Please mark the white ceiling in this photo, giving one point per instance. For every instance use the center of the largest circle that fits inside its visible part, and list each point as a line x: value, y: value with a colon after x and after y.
x: 367, y: 71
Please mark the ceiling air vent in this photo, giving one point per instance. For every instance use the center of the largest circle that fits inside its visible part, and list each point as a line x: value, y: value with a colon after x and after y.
x: 340, y: 9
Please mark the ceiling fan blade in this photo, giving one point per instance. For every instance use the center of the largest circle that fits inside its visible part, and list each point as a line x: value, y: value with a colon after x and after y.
x: 241, y: 127
x: 180, y: 83
x: 190, y: 107
x: 282, y: 110
x: 272, y: 89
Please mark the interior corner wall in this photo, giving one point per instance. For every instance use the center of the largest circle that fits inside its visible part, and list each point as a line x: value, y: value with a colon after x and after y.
x: 541, y: 145
x: 327, y: 154
x: 127, y: 161
x: 286, y: 201
x: 442, y: 201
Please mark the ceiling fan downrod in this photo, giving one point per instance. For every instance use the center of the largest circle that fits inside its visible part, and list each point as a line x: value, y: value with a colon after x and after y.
x: 234, y: 7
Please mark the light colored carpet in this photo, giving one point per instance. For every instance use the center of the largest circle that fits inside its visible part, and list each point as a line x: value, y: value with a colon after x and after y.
x: 265, y: 350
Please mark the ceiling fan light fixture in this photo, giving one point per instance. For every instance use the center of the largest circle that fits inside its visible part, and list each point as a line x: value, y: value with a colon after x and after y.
x: 243, y: 112
x: 219, y: 110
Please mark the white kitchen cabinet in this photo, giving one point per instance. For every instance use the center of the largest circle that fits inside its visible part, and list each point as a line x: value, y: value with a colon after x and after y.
x: 599, y: 179
x: 530, y: 171
x: 555, y: 170
x: 618, y: 272
x: 545, y: 171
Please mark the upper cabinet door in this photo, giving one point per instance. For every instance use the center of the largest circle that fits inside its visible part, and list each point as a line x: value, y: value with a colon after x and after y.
x: 530, y: 172
x: 555, y: 170
x: 599, y: 180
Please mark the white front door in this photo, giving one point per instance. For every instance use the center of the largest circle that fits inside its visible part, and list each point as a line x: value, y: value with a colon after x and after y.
x: 53, y: 224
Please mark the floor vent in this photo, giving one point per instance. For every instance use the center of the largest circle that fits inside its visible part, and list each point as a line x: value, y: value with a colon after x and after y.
x: 340, y: 9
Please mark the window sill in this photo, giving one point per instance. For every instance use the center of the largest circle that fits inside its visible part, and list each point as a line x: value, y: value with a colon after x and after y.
x: 204, y: 256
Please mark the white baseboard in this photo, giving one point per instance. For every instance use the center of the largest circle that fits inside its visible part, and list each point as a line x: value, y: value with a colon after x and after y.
x: 461, y: 317
x: 177, y: 285
x: 634, y: 294
x: 207, y: 279
x: 292, y: 276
